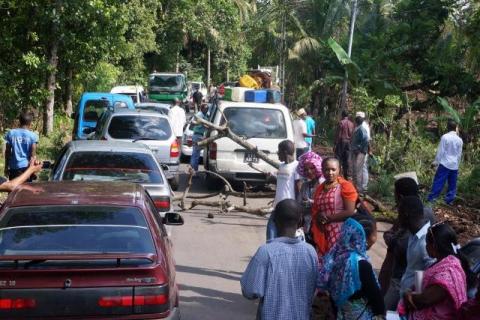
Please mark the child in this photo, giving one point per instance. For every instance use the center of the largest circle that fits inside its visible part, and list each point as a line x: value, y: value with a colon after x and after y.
x: 287, y: 179
x: 283, y: 272
x: 21, y: 146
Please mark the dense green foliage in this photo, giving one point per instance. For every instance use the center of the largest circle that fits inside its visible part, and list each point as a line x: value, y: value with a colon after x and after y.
x: 413, y: 63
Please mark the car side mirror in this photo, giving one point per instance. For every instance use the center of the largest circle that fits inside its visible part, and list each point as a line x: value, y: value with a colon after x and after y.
x: 164, y: 167
x: 88, y: 130
x: 73, y: 115
x: 172, y: 219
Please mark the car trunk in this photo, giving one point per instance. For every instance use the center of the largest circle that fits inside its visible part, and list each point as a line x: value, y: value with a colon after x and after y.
x: 161, y: 150
x: 81, y: 286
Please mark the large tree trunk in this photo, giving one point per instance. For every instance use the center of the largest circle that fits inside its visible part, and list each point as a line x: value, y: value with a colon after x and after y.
x: 51, y: 84
x: 68, y: 91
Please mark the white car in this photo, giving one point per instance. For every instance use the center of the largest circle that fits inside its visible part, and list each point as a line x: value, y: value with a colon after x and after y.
x: 137, y: 93
x: 262, y: 124
x: 162, y: 108
x: 187, y: 144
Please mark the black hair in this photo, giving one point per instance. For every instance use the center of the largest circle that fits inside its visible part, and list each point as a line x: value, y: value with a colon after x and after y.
x: 344, y: 113
x: 411, y: 207
x: 288, y: 213
x: 406, y: 187
x: 444, y: 239
x: 328, y: 159
x: 287, y: 146
x: 367, y: 221
x: 25, y: 118
x: 451, y: 125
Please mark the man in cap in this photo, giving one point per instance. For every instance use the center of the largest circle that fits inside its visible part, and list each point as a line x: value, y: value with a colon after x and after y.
x: 177, y: 119
x: 300, y: 132
x: 198, y: 133
x: 359, y: 153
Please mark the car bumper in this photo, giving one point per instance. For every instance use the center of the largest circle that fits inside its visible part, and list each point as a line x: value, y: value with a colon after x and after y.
x: 247, y: 176
x: 174, y: 315
x: 187, y: 151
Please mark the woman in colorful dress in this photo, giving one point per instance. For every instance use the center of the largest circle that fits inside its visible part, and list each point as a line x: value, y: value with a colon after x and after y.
x: 310, y: 169
x: 348, y: 276
x: 444, y: 285
x: 334, y: 202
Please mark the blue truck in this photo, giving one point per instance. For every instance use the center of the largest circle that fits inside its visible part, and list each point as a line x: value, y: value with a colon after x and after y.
x: 90, y: 108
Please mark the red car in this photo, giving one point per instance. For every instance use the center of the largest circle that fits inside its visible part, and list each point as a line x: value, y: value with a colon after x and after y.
x: 85, y: 250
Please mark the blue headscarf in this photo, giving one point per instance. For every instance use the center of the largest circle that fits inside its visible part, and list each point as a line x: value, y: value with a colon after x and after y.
x: 339, y: 274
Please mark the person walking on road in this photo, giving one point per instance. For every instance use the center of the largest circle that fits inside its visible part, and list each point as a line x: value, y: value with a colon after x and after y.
x: 177, y: 119
x: 283, y: 272
x: 343, y: 139
x: 359, y: 153
x: 21, y: 147
x: 198, y: 133
x: 448, y: 158
x: 197, y: 99
x: 287, y: 181
x: 300, y: 133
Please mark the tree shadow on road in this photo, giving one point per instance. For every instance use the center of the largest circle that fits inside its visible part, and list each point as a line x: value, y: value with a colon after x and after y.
x: 229, y: 275
x: 215, y: 222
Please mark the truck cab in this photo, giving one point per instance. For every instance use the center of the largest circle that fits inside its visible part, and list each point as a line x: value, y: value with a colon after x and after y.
x: 90, y: 108
x: 166, y: 87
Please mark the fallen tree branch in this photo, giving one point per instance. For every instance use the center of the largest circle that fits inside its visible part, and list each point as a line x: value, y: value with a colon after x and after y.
x: 377, y: 204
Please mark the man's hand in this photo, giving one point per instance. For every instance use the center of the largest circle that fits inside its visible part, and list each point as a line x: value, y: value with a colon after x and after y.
x: 35, y: 165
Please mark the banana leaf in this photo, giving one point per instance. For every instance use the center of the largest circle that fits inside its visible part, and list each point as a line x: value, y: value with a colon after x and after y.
x: 448, y: 108
x: 350, y: 67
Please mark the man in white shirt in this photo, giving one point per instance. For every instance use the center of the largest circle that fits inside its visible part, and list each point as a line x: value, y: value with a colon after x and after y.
x: 177, y: 119
x: 448, y: 158
x: 287, y: 178
x: 300, y: 133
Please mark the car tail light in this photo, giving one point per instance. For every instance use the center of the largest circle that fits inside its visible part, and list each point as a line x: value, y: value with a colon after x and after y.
x: 150, y: 300
x: 119, y: 301
x: 174, y: 151
x: 144, y: 300
x: 162, y: 204
x: 212, y: 151
x: 18, y: 303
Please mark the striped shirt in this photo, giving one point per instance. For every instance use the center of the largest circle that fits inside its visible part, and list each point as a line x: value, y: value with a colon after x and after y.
x: 283, y: 275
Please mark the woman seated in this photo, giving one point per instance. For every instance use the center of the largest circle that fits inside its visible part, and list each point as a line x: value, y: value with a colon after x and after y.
x: 444, y: 286
x: 334, y: 202
x: 347, y: 275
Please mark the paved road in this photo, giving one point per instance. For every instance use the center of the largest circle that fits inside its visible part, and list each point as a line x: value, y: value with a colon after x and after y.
x: 211, y: 255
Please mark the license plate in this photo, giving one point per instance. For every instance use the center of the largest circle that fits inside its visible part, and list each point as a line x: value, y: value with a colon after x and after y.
x: 250, y: 157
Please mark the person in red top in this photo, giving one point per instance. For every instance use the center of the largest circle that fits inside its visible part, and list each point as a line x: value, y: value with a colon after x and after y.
x: 343, y: 138
x: 334, y: 202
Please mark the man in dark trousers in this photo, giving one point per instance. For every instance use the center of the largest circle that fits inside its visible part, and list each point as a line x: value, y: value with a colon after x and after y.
x: 343, y: 138
x: 197, y: 99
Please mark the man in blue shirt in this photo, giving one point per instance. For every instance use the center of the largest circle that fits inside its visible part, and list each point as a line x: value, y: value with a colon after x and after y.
x: 310, y: 130
x: 283, y: 272
x: 21, y: 146
x: 198, y: 132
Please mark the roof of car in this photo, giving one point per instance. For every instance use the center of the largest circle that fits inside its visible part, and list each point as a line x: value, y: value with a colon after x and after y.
x: 104, y: 145
x: 127, y: 89
x: 153, y: 104
x: 125, y: 111
x: 76, y: 193
x: 225, y: 104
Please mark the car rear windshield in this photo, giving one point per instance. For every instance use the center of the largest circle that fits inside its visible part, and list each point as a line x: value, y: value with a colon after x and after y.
x: 166, y: 82
x: 112, y: 166
x: 94, y: 109
x: 74, y: 230
x: 256, y: 122
x: 133, y: 127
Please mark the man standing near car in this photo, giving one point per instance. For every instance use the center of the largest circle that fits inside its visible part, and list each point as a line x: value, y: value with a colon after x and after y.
x: 177, y: 119
x: 197, y: 99
x: 300, y: 133
x: 198, y: 132
x: 21, y: 146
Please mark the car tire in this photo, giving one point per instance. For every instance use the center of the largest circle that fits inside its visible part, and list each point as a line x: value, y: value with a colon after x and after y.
x: 174, y: 182
x: 213, y: 183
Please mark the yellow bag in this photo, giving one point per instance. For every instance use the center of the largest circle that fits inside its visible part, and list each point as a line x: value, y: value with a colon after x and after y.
x: 248, y: 82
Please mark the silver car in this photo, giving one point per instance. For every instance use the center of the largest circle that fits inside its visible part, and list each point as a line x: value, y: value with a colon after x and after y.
x: 150, y: 128
x: 87, y: 160
x: 162, y: 108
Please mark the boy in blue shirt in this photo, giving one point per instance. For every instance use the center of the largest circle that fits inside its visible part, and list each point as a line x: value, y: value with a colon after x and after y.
x: 21, y: 146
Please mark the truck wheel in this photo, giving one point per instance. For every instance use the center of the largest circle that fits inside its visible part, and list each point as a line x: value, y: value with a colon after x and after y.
x: 174, y: 182
x: 213, y: 183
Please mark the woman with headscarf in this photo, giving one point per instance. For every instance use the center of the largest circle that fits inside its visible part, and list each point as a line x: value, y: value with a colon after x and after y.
x: 310, y: 169
x: 347, y: 275
x: 333, y: 202
x: 444, y: 284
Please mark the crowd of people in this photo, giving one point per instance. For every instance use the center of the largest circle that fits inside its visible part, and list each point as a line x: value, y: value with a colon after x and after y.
x: 314, y: 264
